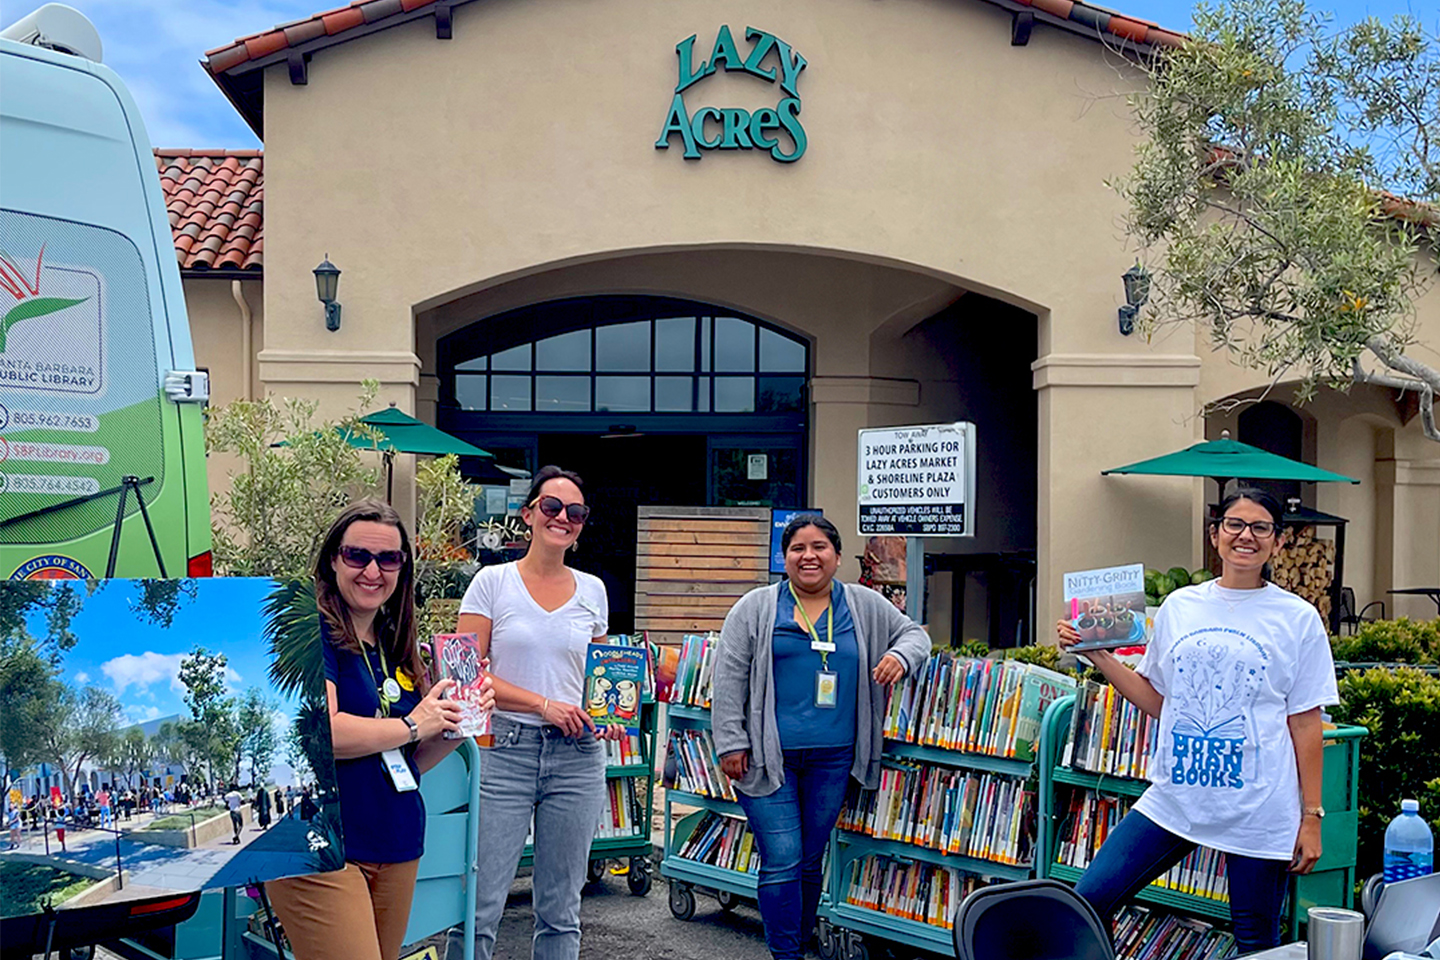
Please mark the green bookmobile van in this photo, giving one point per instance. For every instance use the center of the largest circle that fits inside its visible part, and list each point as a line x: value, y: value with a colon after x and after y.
x: 102, y: 456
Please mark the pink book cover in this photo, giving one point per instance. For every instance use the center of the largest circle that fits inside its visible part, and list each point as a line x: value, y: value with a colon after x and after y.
x: 457, y: 657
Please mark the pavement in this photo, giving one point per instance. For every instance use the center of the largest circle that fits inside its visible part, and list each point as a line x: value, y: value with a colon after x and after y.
x: 152, y: 868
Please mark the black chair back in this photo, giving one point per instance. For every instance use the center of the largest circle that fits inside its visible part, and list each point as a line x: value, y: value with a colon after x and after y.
x: 1030, y: 920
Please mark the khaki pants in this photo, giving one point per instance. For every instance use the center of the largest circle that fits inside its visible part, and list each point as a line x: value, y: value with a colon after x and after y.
x: 359, y: 913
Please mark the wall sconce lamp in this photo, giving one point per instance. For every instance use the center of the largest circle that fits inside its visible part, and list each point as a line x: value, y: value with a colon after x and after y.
x: 327, y: 284
x: 1137, y: 292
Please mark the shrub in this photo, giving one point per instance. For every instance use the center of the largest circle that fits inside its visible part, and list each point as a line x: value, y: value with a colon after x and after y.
x: 1390, y: 641
x: 1401, y: 755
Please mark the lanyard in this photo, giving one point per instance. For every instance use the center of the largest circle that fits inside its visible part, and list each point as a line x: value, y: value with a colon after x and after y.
x: 384, y: 673
x: 829, y: 627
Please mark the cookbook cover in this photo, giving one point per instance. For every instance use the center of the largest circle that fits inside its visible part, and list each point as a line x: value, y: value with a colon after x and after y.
x: 1107, y: 607
x: 457, y: 657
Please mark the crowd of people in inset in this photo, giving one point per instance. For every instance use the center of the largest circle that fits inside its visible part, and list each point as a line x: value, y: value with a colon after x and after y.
x: 119, y: 808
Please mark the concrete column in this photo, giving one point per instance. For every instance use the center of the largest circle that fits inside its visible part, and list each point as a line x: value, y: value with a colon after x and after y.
x: 1410, y: 491
x: 1106, y: 410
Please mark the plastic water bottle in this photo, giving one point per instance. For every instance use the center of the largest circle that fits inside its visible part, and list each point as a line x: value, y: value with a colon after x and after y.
x: 1409, y: 847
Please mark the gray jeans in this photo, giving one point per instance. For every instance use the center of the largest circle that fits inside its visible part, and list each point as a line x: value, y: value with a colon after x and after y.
x: 561, y: 782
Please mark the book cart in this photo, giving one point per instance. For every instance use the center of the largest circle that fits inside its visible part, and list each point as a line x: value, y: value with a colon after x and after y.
x: 1196, y: 888
x: 945, y: 819
x: 632, y: 801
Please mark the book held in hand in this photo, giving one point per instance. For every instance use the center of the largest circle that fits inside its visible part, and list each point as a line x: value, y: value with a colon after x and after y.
x: 1107, y: 607
x: 457, y: 657
x: 614, y: 680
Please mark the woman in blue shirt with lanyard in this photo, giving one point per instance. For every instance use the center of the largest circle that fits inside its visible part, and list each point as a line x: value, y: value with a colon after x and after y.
x: 387, y: 729
x: 800, y: 686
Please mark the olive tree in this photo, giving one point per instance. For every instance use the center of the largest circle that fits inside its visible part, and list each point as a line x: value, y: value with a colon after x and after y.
x: 1282, y: 188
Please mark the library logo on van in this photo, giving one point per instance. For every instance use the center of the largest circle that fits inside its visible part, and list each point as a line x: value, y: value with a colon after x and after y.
x: 51, y: 326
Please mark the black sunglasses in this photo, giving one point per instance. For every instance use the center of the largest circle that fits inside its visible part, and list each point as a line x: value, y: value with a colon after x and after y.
x: 359, y: 558
x: 551, y: 507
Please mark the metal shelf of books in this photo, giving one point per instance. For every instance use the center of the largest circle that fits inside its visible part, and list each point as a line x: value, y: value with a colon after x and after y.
x: 1094, y: 760
x: 710, y: 849
x: 954, y: 809
x: 623, y: 832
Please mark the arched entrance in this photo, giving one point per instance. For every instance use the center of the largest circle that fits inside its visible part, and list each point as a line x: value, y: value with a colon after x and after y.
x: 654, y: 400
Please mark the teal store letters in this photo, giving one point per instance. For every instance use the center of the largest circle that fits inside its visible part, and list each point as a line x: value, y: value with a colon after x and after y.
x: 777, y: 129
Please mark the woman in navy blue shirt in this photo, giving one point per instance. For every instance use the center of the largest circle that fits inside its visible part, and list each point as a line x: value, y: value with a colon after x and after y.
x: 387, y: 729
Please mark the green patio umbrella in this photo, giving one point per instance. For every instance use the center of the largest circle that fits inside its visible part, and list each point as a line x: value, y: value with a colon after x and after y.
x: 398, y: 432
x: 1225, y: 459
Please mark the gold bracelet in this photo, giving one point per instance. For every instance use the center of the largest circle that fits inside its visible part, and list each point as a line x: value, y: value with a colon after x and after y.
x: 544, y: 705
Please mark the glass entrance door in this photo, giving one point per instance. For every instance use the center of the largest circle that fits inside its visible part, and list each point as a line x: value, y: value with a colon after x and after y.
x: 758, y: 471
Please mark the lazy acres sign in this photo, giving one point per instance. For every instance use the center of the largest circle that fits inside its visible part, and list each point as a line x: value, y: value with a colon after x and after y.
x: 777, y: 129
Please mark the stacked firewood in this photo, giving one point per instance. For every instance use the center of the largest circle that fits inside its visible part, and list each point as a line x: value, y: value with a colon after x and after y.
x: 1306, y: 566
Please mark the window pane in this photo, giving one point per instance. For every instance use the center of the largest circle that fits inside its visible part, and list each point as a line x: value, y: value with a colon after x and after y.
x: 470, y: 392
x: 510, y: 393
x: 623, y: 346
x: 734, y: 345
x: 622, y: 394
x: 562, y: 394
x: 702, y: 395
x: 479, y: 363
x: 516, y: 358
x: 780, y: 354
x: 780, y: 394
x: 675, y: 394
x: 675, y: 344
x: 734, y: 394
x: 569, y: 351
x: 705, y: 324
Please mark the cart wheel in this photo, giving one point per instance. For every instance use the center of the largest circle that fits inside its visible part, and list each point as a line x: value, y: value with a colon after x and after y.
x: 595, y: 872
x: 638, y: 878
x: 682, y: 900
x: 856, y: 949
x: 82, y: 953
x: 827, y: 939
x: 728, y: 901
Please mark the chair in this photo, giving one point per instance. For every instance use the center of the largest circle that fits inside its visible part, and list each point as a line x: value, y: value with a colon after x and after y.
x: 1348, y: 616
x: 1030, y: 920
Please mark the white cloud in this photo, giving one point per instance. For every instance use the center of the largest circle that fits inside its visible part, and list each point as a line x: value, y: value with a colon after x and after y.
x: 143, y: 670
x: 82, y: 678
x: 232, y: 679
x: 144, y: 714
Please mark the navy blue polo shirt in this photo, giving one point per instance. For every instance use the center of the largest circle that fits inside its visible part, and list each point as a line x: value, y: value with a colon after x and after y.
x: 381, y: 824
x: 802, y: 724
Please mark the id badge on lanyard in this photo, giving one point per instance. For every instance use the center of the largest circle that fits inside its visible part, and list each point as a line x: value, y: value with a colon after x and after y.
x: 827, y: 681
x: 388, y: 692
x: 394, y: 763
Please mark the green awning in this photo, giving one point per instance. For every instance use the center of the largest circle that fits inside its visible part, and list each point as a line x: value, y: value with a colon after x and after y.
x: 1227, y: 459
x: 398, y: 432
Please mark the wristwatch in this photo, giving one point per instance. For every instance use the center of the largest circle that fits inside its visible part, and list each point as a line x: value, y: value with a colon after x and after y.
x: 1317, y: 812
x: 415, y: 731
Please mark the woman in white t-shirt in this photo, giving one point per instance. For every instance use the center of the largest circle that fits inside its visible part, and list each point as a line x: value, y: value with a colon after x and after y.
x: 534, y: 619
x: 1237, y: 672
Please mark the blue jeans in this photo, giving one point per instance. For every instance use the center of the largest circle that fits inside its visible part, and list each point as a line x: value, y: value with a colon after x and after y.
x: 792, y: 827
x: 1138, y: 851
x: 538, y: 772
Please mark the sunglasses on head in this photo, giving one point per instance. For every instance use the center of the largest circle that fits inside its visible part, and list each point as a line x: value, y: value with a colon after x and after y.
x: 551, y: 507
x: 359, y: 558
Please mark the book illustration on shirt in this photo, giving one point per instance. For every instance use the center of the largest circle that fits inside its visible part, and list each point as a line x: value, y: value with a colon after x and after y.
x: 1107, y: 607
x: 457, y: 657
x: 614, y: 677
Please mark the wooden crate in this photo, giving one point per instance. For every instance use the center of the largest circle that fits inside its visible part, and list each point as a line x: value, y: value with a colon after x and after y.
x: 693, y: 563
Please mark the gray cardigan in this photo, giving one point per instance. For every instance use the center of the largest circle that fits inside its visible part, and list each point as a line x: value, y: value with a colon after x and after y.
x: 742, y: 711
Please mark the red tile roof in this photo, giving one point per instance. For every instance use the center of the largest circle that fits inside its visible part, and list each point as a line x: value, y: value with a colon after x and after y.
x: 215, y: 200
x: 230, y: 64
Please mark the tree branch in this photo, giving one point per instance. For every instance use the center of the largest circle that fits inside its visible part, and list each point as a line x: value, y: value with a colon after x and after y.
x: 1419, y: 377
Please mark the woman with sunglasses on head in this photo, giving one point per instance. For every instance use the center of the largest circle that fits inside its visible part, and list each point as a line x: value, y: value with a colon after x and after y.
x: 800, y: 690
x: 535, y: 617
x: 387, y: 728
x: 1236, y: 673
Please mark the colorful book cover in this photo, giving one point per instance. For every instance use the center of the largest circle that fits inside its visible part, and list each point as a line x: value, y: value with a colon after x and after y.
x: 614, y: 679
x: 457, y: 657
x: 1039, y: 688
x: 1107, y: 607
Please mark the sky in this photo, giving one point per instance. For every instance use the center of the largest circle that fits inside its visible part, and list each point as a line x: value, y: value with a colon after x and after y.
x: 139, y: 662
x: 156, y: 45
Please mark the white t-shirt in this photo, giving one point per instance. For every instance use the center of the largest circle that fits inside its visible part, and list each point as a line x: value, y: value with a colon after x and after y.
x: 233, y: 800
x: 1233, y: 665
x: 538, y: 651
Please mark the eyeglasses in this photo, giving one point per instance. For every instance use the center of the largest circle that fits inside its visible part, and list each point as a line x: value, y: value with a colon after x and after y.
x: 1262, y: 529
x: 359, y: 558
x: 551, y: 507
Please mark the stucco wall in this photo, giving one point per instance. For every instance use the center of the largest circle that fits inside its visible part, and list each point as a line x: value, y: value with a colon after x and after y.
x: 218, y: 333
